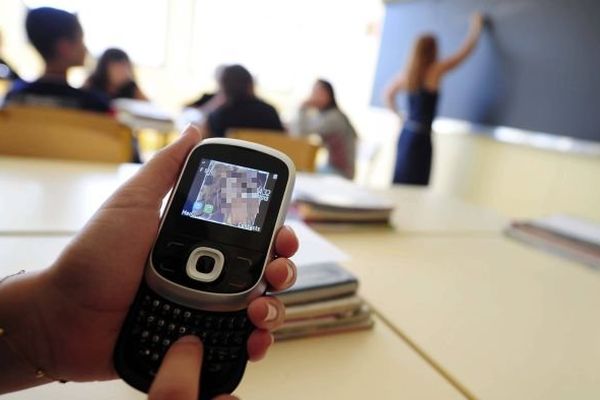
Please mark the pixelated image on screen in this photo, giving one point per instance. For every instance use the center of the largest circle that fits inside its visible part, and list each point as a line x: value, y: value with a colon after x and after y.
x: 229, y: 194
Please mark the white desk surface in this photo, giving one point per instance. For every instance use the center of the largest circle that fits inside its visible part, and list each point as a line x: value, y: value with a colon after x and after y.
x: 359, y: 365
x: 41, y: 196
x: 46, y: 198
x: 504, y: 320
x: 421, y: 211
x: 54, y: 196
x: 373, y: 364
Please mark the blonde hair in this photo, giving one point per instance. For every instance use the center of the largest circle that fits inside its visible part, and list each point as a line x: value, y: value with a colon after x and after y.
x: 423, y: 55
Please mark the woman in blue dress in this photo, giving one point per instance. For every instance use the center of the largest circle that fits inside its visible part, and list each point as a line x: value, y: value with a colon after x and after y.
x: 421, y: 79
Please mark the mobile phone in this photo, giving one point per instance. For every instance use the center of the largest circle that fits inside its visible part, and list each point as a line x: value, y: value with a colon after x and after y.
x: 207, y: 263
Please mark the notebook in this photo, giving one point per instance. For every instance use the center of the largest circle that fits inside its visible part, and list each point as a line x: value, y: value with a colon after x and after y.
x: 323, y: 300
x: 322, y: 309
x: 330, y: 198
x: 316, y: 282
x: 569, y: 237
x: 358, y: 320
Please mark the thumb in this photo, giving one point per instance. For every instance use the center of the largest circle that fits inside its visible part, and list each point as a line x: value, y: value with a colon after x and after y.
x: 179, y: 374
x: 157, y: 177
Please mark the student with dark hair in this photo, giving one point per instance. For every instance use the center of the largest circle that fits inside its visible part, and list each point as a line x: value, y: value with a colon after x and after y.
x: 321, y: 114
x: 421, y: 79
x: 58, y: 37
x: 242, y: 109
x: 114, y: 76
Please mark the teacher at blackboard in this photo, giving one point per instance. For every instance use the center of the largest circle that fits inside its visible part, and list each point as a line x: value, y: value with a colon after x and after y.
x: 422, y: 78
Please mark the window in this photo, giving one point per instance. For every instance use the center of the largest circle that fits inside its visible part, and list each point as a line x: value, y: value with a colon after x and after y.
x: 139, y: 27
x: 286, y: 44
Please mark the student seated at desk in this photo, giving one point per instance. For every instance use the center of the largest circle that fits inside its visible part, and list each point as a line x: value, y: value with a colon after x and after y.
x: 114, y: 77
x: 242, y: 109
x: 209, y: 102
x: 321, y: 114
x: 61, y: 324
x: 58, y: 37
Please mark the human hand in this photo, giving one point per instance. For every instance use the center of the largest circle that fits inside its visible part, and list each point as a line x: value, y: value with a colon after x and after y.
x: 179, y: 375
x: 477, y: 21
x: 85, y: 295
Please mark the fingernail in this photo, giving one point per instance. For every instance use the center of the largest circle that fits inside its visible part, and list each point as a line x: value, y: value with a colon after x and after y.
x: 189, y: 339
x: 271, y: 313
x: 290, y: 229
x: 291, y: 274
x: 192, y: 128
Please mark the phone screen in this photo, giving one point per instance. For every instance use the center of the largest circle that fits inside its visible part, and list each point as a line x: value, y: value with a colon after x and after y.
x: 230, y: 194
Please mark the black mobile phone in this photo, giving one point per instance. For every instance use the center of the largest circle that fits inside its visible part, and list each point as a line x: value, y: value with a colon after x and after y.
x: 207, y: 263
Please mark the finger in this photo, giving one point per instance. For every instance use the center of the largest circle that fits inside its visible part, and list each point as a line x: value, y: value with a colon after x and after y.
x: 160, y: 173
x: 179, y: 374
x: 286, y: 243
x: 281, y: 273
x: 266, y: 313
x: 258, y: 344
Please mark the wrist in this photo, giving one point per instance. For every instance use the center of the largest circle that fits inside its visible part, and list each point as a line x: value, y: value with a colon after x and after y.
x: 25, y: 356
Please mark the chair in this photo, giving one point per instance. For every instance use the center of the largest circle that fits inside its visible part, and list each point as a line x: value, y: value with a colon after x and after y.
x: 302, y: 151
x: 4, y: 88
x: 63, y: 133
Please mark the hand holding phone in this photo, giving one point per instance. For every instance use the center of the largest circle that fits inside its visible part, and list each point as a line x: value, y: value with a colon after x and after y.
x: 208, y: 262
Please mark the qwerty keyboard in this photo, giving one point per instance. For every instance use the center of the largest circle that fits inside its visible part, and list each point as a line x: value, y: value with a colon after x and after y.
x: 156, y: 323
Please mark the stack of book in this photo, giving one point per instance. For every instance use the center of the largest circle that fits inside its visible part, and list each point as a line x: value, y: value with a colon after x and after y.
x: 569, y: 237
x: 141, y: 114
x: 332, y: 199
x: 323, y: 301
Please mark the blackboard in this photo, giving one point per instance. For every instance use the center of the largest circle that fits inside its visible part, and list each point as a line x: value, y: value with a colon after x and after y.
x: 537, y: 66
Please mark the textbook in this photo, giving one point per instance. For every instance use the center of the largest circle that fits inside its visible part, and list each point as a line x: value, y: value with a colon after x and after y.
x: 324, y: 309
x: 323, y: 299
x: 358, y: 319
x: 569, y: 237
x: 317, y: 282
x: 330, y: 198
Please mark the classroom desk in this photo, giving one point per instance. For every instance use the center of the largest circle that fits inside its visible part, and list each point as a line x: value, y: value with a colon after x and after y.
x: 48, y: 196
x: 373, y: 364
x: 504, y: 321
x: 499, y: 319
x: 60, y: 196
x: 45, y: 202
x: 422, y: 212
x: 360, y: 365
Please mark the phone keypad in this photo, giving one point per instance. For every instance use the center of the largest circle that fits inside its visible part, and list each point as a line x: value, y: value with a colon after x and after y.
x: 158, y: 323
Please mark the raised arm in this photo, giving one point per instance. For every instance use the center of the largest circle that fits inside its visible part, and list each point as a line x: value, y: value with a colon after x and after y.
x: 477, y: 21
x: 397, y: 85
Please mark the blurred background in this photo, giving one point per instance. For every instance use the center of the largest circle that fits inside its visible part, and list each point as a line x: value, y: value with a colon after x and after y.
x: 177, y: 45
x: 525, y: 96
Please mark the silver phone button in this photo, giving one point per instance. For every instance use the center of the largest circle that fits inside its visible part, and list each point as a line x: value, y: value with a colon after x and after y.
x: 205, y: 264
